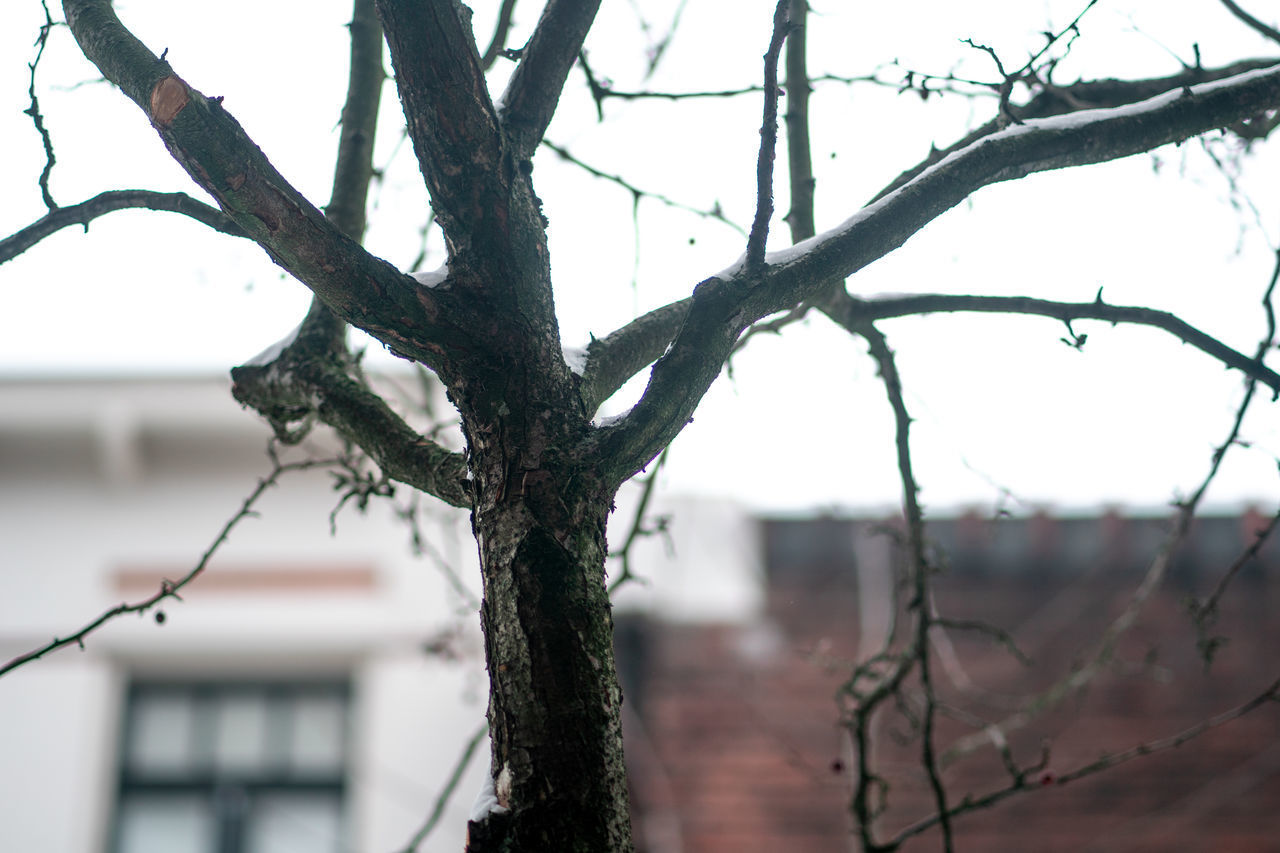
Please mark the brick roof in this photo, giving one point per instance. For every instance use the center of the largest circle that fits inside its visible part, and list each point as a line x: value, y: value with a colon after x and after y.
x: 733, y: 736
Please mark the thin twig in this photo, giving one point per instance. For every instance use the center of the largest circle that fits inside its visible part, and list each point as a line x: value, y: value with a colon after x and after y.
x: 919, y: 572
x: 1203, y: 612
x: 714, y: 213
x: 772, y: 326
x: 168, y: 588
x: 501, y: 29
x: 638, y: 529
x: 1031, y: 779
x: 1104, y: 650
x: 1270, y: 694
x: 1252, y: 22
x: 1001, y: 637
x: 422, y: 546
x: 446, y: 793
x: 768, y: 141
x: 34, y: 110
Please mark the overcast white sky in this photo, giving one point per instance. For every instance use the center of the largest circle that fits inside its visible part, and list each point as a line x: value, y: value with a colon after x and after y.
x: 999, y: 402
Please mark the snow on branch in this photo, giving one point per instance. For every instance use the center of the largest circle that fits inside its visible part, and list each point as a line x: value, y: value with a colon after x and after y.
x: 725, y: 304
x: 1074, y: 139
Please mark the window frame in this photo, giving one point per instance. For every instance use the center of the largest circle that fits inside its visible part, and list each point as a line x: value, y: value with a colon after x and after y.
x: 231, y: 793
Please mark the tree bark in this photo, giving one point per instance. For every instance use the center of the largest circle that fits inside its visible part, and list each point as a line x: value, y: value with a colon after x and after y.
x: 555, y: 704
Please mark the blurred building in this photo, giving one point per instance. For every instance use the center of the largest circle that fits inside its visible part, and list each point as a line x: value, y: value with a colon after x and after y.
x: 744, y: 750
x: 315, y: 689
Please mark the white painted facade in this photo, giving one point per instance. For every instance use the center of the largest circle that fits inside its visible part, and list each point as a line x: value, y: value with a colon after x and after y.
x: 107, y: 485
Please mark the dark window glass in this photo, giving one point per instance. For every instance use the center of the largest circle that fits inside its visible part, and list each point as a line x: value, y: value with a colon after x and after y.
x: 233, y: 767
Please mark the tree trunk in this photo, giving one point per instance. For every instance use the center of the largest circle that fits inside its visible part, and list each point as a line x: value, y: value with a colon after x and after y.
x: 555, y: 703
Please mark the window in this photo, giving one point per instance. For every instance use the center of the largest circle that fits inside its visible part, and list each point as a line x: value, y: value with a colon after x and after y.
x: 233, y: 767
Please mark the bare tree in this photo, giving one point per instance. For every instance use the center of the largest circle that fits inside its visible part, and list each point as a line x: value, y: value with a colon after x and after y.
x: 541, y: 471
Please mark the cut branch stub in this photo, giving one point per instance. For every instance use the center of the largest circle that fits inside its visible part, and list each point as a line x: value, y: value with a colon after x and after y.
x: 221, y: 158
x: 168, y: 98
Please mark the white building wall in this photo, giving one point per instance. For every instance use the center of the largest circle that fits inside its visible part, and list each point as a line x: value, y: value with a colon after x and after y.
x: 58, y: 727
x: 100, y: 478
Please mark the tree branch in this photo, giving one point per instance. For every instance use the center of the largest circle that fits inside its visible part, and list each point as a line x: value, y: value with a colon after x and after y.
x: 450, y: 116
x: 309, y: 376
x: 287, y: 391
x: 1053, y: 100
x: 353, y: 169
x: 1050, y: 102
x: 799, y: 150
x: 849, y: 312
x: 531, y: 97
x: 1023, y: 782
x: 1103, y: 652
x: 219, y: 156
x: 481, y: 190
x: 920, y: 602
x: 768, y: 140
x: 446, y: 793
x: 637, y: 193
x: 34, y: 110
x: 322, y: 331
x: 498, y: 44
x: 1252, y: 22
x: 725, y: 304
x: 614, y: 359
x: 103, y: 203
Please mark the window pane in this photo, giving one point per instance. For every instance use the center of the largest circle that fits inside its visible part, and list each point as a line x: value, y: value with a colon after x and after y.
x: 295, y: 823
x: 318, y: 732
x: 160, y: 733
x: 240, y: 732
x: 159, y: 824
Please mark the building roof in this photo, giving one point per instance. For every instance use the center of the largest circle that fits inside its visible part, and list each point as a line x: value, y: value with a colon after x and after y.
x: 742, y: 744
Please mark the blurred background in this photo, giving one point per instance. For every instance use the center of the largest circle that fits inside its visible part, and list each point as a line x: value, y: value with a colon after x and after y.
x: 321, y: 687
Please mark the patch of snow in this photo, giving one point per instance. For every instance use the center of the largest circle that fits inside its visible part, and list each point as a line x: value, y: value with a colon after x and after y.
x: 271, y: 353
x: 1053, y: 123
x: 1083, y: 117
x: 576, y: 358
x: 610, y: 420
x: 432, y: 278
x: 486, y: 802
x: 733, y: 269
